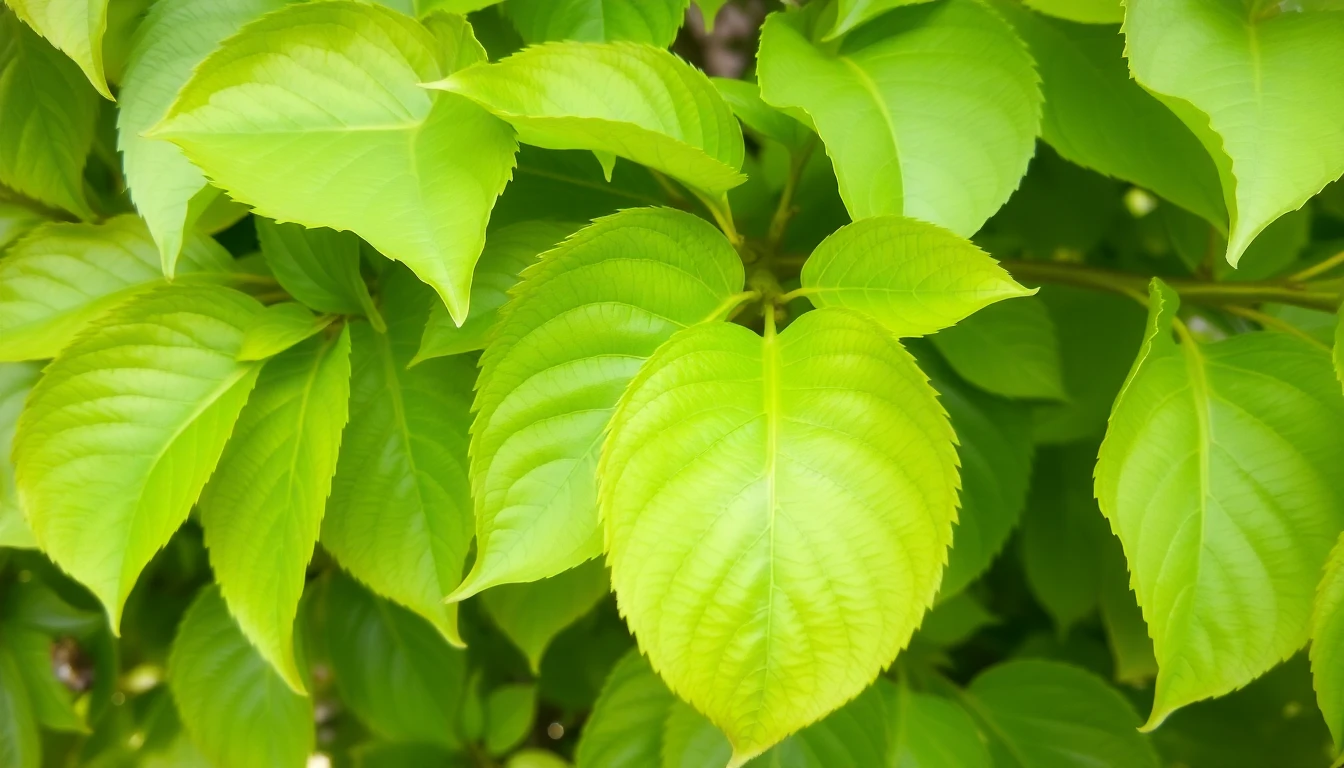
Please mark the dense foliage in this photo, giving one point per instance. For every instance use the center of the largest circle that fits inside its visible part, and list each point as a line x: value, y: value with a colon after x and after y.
x: 425, y: 383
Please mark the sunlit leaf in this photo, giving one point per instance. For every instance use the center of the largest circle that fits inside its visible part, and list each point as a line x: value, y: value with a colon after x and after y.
x: 721, y: 459
x: 650, y: 21
x: 1220, y: 474
x: 76, y: 27
x: 16, y: 380
x: 334, y: 130
x: 123, y: 430
x: 930, y: 111
x: 563, y: 351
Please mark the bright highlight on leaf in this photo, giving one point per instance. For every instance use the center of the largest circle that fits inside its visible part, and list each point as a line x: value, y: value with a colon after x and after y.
x: 913, y: 278
x: 652, y: 108
x: 314, y: 115
x: 1220, y: 474
x: 123, y: 430
x: 565, y: 348
x: 62, y: 277
x: 1248, y: 72
x: 929, y: 111
x: 176, y: 36
x: 263, y: 507
x: 76, y: 27
x: 777, y: 515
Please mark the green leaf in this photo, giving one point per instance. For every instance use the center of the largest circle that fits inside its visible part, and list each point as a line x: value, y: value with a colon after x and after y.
x: 279, y: 328
x: 532, y: 614
x: 851, y: 13
x: 652, y: 21
x: 1044, y: 714
x: 625, y: 727
x: 16, y: 380
x: 1126, y: 632
x: 1338, y: 354
x: 535, y: 758
x: 1327, y: 640
x: 298, y: 111
x: 1083, y: 11
x: 722, y: 456
x: 1009, y: 349
x: 399, y: 518
x: 1257, y: 86
x: 930, y: 111
x: 76, y: 27
x: 509, y: 711
x: 508, y: 251
x: 319, y: 267
x: 124, y: 429
x: 176, y: 36
x: 391, y: 667
x: 1097, y: 335
x: 1064, y: 535
x: 1220, y: 474
x: 931, y: 732
x: 16, y: 219
x: 47, y: 116
x: 62, y: 277
x: 953, y: 620
x: 20, y: 740
x: 564, y: 349
x: 995, y: 451
x: 709, y: 9
x: 745, y: 100
x: 1097, y: 117
x: 263, y: 507
x: 235, y: 707
x: 913, y: 278
x: 653, y: 108
x: 52, y: 703
x: 569, y: 186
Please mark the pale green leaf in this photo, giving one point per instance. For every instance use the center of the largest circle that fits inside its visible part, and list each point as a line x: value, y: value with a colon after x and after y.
x: 76, y: 27
x: 168, y: 191
x: 930, y: 111
x: 931, y: 732
x: 61, y: 277
x: 1082, y: 11
x: 297, y: 112
x: 47, y: 116
x: 912, y: 277
x: 16, y: 379
x: 1099, y: 118
x: 722, y: 456
x: 399, y: 518
x: 649, y: 21
x: 508, y: 251
x: 653, y: 108
x: 1009, y: 349
x: 1338, y: 354
x: 1044, y: 714
x: 1064, y: 535
x: 319, y: 267
x: 509, y: 711
x: 1220, y: 474
x: 263, y: 507
x: 533, y: 613
x: 1327, y: 641
x: 995, y: 451
x: 744, y: 98
x: 391, y: 667
x: 20, y: 740
x: 52, y: 702
x: 536, y: 758
x: 625, y: 727
x: 456, y: 35
x: 851, y: 13
x: 233, y: 704
x: 1258, y: 86
x: 278, y: 328
x: 123, y: 430
x: 575, y: 332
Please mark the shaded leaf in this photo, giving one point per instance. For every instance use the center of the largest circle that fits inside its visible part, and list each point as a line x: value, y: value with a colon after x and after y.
x: 1008, y: 349
x: 319, y: 267
x: 278, y: 328
x: 931, y: 732
x: 16, y: 380
x: 533, y: 613
x: 76, y: 27
x: 652, y: 21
